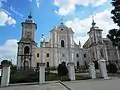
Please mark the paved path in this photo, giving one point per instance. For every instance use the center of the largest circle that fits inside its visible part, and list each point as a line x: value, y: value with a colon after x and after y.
x: 98, y: 84
x: 51, y: 86
x: 113, y: 84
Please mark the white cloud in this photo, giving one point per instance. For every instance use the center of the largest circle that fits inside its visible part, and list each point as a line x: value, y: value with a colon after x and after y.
x: 38, y: 3
x: 81, y: 27
x: 5, y: 19
x: 16, y: 12
x: 9, y: 50
x: 68, y: 6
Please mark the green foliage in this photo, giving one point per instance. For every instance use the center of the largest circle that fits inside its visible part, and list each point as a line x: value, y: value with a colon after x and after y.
x: 24, y: 76
x: 114, y: 34
x: 6, y: 62
x: 62, y: 69
x: 112, y: 68
x: 116, y: 11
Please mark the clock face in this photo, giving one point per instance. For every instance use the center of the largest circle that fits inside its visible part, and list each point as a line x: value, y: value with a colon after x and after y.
x: 28, y: 34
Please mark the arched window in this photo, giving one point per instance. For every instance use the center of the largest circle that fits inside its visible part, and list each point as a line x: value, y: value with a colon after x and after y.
x: 101, y: 52
x: 26, y: 50
x: 62, y: 43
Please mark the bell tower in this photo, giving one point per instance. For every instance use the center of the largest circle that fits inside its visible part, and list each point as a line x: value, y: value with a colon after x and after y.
x: 27, y: 44
x: 97, y: 48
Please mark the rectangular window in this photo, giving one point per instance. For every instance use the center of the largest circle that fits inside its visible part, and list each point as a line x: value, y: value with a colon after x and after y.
x: 77, y: 55
x: 37, y: 54
x: 47, y: 54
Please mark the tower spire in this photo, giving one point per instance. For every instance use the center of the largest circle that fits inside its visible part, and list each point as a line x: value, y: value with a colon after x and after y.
x: 61, y: 20
x: 93, y: 22
x: 29, y: 16
x: 30, y: 11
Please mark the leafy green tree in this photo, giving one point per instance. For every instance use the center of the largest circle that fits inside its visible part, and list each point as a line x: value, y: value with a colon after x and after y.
x: 114, y: 34
x: 6, y: 62
x: 116, y: 11
x: 62, y: 70
x: 112, y: 68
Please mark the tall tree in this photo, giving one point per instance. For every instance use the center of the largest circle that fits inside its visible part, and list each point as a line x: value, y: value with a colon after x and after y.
x: 116, y: 11
x: 114, y: 34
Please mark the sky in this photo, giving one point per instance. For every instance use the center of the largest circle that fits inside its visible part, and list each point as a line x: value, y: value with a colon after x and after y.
x: 47, y: 14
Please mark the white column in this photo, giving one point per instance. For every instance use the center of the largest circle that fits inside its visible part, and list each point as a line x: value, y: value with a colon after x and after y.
x: 71, y: 71
x: 41, y: 73
x: 92, y: 71
x: 103, y: 70
x: 42, y: 65
x: 5, y: 76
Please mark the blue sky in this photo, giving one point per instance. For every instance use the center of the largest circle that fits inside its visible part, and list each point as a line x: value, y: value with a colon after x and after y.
x: 48, y: 14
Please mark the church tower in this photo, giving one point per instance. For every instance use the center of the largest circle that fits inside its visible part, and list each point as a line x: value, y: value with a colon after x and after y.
x: 27, y: 44
x: 97, y: 47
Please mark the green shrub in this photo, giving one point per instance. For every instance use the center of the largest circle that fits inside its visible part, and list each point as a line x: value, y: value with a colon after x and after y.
x: 112, y: 68
x: 24, y: 76
x: 6, y: 62
x: 62, y: 70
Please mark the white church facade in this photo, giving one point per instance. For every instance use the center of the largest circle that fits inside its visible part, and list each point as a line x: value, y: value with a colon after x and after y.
x: 59, y: 48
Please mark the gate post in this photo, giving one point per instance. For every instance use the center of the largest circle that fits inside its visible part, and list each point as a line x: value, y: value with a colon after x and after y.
x: 92, y: 71
x: 41, y: 73
x: 5, y: 75
x: 71, y: 71
x: 103, y: 70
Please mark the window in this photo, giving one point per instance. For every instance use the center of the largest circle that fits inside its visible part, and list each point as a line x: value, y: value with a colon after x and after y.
x: 62, y: 43
x: 37, y: 65
x: 47, y: 54
x: 77, y: 55
x: 78, y: 64
x: 84, y: 55
x: 101, y: 52
x: 26, y: 50
x: 37, y: 54
x: 62, y: 29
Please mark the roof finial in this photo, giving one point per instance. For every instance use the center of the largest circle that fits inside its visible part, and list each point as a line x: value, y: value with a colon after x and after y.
x: 93, y: 22
x: 61, y: 20
x: 79, y: 44
x: 29, y: 16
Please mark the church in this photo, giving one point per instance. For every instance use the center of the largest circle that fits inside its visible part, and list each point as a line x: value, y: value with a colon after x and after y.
x: 97, y: 47
x: 60, y: 47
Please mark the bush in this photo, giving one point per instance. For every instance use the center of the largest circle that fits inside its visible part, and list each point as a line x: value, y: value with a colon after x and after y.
x: 24, y: 76
x: 6, y: 62
x: 62, y: 70
x: 112, y: 68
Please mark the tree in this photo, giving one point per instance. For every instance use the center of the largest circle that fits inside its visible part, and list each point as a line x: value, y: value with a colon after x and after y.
x: 114, y: 34
x: 116, y: 11
x: 62, y: 70
x: 6, y: 62
x: 112, y: 68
